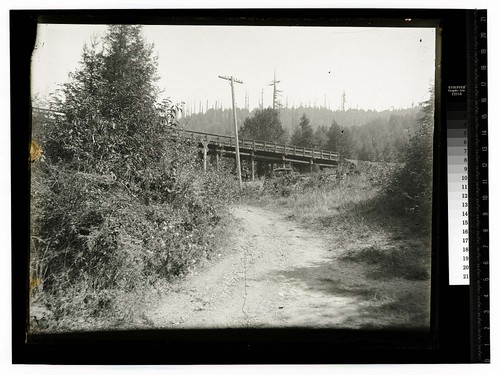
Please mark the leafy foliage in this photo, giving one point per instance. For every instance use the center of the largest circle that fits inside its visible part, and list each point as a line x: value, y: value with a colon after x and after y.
x: 264, y: 125
x: 320, y: 137
x: 303, y: 135
x: 118, y: 202
x: 113, y: 123
x: 384, y: 140
x: 335, y: 138
x: 411, y: 187
x: 340, y: 140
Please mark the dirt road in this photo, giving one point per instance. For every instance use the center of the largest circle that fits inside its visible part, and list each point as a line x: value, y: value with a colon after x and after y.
x: 272, y: 273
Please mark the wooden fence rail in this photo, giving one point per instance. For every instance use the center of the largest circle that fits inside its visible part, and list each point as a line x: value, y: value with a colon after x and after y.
x: 256, y: 145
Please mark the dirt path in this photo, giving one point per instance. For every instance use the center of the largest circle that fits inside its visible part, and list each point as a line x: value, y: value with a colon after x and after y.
x: 272, y: 274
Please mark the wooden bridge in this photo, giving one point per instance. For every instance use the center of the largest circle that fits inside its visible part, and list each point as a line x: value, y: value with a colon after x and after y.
x: 250, y: 149
x: 255, y: 150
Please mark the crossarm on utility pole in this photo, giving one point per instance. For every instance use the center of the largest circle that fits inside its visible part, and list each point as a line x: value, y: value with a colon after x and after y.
x: 231, y: 78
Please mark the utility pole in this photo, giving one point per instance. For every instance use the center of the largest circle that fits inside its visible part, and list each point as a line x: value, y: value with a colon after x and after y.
x: 274, y: 83
x: 342, y: 108
x: 232, y: 80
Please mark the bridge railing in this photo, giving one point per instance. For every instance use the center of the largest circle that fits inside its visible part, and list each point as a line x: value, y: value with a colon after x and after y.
x: 256, y: 145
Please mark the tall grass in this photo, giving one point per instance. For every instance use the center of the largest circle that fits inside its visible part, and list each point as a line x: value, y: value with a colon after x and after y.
x: 352, y: 204
x: 317, y: 197
x: 388, y: 244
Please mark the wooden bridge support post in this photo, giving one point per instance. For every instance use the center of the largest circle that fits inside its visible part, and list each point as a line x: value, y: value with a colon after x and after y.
x: 205, y: 149
x: 252, y: 162
x: 311, y: 163
x: 217, y: 159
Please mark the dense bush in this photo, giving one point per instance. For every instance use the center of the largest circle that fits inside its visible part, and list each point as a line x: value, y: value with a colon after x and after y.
x: 410, y: 188
x: 93, y: 235
x: 114, y: 123
x: 376, y: 175
x: 119, y: 202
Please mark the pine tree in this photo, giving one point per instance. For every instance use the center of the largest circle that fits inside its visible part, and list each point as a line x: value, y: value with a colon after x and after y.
x: 412, y: 184
x: 303, y: 135
x: 320, y: 137
x: 114, y: 123
x: 346, y: 144
x: 334, y: 135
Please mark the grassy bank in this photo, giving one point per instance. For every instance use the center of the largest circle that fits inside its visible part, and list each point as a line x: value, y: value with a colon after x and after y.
x: 99, y: 249
x: 367, y: 228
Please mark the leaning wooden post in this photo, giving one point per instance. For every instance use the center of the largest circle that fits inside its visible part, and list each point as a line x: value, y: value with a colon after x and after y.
x: 217, y: 159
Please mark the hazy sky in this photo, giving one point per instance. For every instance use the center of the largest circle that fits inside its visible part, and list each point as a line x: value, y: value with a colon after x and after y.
x: 378, y: 68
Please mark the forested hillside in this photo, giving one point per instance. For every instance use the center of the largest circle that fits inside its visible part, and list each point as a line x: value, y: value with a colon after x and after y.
x: 356, y: 134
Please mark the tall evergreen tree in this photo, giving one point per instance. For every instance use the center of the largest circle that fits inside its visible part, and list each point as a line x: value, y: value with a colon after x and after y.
x: 334, y: 134
x: 340, y: 140
x: 304, y: 134
x: 320, y: 137
x: 413, y: 183
x: 114, y: 122
x: 346, y: 144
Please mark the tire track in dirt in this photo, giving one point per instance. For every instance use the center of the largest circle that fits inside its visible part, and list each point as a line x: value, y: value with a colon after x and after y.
x: 273, y: 273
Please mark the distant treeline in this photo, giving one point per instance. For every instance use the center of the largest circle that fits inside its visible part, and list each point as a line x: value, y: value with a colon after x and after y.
x: 355, y: 133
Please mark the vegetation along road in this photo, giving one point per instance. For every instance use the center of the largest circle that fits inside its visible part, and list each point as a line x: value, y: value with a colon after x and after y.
x: 131, y: 229
x: 274, y: 273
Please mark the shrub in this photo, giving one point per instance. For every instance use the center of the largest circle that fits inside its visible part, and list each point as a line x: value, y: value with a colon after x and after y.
x: 410, y: 188
x: 118, y: 202
x: 93, y: 239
